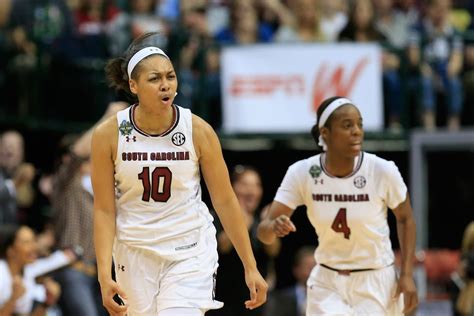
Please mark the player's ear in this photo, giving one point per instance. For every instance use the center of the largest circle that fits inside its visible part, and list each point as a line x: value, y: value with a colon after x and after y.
x: 133, y: 86
x: 324, y: 131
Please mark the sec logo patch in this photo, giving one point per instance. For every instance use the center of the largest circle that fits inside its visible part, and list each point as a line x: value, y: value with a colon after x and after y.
x: 178, y: 138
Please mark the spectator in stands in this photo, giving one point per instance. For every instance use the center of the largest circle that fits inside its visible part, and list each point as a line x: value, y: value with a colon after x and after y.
x: 304, y: 24
x: 144, y: 20
x: 464, y: 304
x: 291, y: 301
x: 72, y: 202
x: 211, y: 95
x: 16, y: 178
x: 394, y: 25
x: 188, y: 44
x: 361, y: 28
x: 333, y: 18
x: 19, y: 292
x: 244, y: 28
x: 436, y: 48
x: 100, y: 26
x: 247, y: 186
x: 34, y: 28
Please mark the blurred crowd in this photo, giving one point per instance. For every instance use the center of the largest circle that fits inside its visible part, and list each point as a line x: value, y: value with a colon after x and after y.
x: 52, y: 52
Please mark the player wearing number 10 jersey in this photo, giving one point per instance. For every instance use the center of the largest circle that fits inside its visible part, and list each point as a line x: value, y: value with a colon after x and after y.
x: 347, y: 193
x: 159, y: 205
x: 148, y: 214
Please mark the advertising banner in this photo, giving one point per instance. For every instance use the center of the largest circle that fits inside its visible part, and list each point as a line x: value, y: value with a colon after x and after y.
x: 278, y: 88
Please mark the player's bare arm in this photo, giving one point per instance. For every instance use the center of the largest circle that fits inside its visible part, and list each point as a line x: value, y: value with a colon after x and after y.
x: 277, y: 223
x: 406, y: 230
x: 104, y: 146
x: 225, y: 203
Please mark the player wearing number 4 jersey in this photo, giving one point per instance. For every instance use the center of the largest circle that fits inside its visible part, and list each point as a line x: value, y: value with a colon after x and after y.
x: 146, y: 165
x: 347, y: 193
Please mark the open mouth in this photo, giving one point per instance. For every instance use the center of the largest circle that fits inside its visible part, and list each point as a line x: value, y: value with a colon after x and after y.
x: 166, y: 99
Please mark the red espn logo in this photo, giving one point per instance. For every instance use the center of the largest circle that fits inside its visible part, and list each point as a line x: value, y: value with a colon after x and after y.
x: 261, y: 85
x: 328, y: 82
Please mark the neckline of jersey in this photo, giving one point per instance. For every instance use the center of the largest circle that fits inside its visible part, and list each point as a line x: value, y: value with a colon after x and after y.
x: 176, y: 116
x: 357, y: 167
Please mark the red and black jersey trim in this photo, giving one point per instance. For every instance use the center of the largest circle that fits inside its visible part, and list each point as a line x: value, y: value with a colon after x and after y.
x: 357, y: 167
x: 176, y: 116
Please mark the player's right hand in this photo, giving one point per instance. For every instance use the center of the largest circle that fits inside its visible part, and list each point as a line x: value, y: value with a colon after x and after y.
x: 109, y: 288
x: 258, y: 288
x: 282, y: 226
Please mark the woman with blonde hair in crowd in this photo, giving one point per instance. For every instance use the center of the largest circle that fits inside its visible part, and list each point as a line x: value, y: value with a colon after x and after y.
x: 465, y: 300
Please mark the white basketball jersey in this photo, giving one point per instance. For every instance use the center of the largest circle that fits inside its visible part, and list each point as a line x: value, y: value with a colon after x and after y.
x: 159, y: 205
x: 349, y: 214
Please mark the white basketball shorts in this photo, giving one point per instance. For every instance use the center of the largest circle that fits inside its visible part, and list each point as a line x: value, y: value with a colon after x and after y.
x: 368, y: 293
x: 153, y: 284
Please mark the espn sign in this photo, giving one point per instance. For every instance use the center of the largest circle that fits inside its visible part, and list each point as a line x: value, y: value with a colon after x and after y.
x: 277, y: 88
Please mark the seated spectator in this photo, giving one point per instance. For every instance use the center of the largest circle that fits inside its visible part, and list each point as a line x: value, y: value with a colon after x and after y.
x: 100, y: 26
x: 247, y: 185
x: 244, y: 28
x: 291, y: 301
x: 333, y: 19
x: 395, y: 27
x: 19, y: 292
x: 144, y: 20
x: 305, y: 24
x: 188, y: 43
x: 15, y: 178
x: 361, y: 28
x: 72, y: 202
x: 437, y: 49
x: 464, y: 303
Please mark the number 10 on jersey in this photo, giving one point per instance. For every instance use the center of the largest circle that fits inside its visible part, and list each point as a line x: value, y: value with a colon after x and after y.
x: 158, y: 186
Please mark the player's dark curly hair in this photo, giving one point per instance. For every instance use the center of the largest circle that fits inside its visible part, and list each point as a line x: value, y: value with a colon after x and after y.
x: 315, y: 129
x: 116, y: 68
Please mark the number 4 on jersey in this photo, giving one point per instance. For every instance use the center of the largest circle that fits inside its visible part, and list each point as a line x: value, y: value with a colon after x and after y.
x: 339, y: 225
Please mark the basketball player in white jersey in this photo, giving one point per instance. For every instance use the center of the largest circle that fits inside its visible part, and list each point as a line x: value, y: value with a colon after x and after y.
x: 347, y: 192
x: 146, y: 165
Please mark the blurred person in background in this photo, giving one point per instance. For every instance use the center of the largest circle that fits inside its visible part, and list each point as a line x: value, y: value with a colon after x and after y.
x: 436, y: 51
x: 395, y: 28
x: 143, y: 19
x: 188, y: 45
x: 244, y: 26
x: 463, y: 301
x: 247, y: 185
x: 19, y: 292
x: 34, y: 28
x: 304, y: 24
x: 16, y: 178
x: 291, y: 301
x: 100, y: 28
x: 333, y: 18
x: 361, y: 28
x: 347, y: 193
x: 72, y: 202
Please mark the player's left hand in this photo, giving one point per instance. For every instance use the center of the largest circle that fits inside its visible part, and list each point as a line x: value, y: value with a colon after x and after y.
x: 258, y: 289
x: 406, y: 285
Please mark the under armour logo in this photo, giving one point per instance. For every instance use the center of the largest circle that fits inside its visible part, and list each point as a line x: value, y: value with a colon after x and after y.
x: 178, y: 138
x: 133, y: 138
x: 121, y: 267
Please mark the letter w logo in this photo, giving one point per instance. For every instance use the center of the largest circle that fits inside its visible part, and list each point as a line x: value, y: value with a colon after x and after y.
x: 327, y: 84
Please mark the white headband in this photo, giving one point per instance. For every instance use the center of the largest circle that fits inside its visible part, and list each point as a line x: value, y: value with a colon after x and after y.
x: 140, y: 55
x: 333, y: 106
